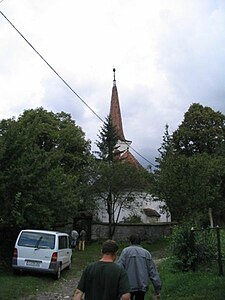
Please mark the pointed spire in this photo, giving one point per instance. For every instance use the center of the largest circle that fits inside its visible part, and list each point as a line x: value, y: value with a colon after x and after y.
x: 115, y: 113
x: 122, y: 147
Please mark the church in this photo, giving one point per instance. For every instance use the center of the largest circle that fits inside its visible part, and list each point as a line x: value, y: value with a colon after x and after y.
x: 147, y: 209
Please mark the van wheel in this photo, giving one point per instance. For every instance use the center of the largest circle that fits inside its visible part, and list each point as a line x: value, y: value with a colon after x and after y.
x: 58, y: 273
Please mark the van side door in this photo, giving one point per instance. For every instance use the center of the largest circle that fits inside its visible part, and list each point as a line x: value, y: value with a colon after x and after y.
x: 64, y: 252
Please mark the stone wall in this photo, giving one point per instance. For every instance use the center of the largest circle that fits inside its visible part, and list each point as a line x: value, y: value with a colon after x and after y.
x: 150, y: 232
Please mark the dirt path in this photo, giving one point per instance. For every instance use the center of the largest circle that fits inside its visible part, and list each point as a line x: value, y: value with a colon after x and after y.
x: 64, y: 290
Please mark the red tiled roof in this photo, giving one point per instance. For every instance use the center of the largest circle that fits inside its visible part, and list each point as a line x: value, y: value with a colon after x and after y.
x: 128, y: 157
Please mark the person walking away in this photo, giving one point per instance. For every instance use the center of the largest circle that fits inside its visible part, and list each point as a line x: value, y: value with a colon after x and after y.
x: 140, y: 267
x: 74, y: 237
x: 82, y: 239
x: 104, y: 279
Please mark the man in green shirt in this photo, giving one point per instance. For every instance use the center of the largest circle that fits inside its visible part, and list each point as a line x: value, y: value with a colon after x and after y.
x: 104, y: 279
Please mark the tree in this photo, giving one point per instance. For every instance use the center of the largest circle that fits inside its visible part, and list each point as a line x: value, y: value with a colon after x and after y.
x: 190, y: 175
x: 189, y: 187
x: 108, y: 139
x: 166, y: 148
x: 116, y: 186
x: 116, y: 181
x: 42, y: 161
x: 202, y: 131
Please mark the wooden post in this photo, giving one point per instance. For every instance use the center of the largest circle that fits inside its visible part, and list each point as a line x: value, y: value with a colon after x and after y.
x: 211, y: 218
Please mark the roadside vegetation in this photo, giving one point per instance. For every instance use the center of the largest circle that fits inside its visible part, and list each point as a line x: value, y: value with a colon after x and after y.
x: 190, y: 285
x: 177, y: 285
x: 47, y: 167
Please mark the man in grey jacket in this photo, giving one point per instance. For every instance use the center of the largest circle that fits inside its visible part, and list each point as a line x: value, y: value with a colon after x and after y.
x: 140, y: 267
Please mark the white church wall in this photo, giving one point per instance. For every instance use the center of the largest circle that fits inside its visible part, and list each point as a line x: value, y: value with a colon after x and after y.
x: 141, y: 201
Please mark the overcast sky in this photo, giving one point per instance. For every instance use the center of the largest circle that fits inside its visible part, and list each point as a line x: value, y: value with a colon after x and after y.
x: 168, y: 54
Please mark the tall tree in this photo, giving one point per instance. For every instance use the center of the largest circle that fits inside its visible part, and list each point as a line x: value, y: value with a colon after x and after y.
x: 190, y: 176
x: 190, y: 186
x: 108, y: 139
x: 42, y: 161
x: 166, y: 147
x: 202, y: 131
x: 116, y: 181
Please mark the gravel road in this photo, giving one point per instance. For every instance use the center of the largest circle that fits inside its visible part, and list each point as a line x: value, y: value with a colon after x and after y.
x: 64, y: 290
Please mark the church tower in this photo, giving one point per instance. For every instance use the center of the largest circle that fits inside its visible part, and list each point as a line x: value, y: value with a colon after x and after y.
x: 122, y: 147
x: 115, y: 115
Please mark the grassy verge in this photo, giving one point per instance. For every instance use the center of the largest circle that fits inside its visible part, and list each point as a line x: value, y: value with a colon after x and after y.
x: 190, y: 285
x: 16, y: 287
x: 176, y: 286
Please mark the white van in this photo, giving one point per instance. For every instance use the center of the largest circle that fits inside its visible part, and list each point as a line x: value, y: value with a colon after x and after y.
x: 42, y: 251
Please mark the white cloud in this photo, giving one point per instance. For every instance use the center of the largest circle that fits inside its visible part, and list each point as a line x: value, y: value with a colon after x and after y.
x: 168, y: 54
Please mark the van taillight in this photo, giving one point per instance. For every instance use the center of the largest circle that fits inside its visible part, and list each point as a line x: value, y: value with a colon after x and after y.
x: 54, y: 257
x: 15, y: 253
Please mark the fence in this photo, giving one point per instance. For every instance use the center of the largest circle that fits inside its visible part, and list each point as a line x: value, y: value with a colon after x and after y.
x: 209, y: 243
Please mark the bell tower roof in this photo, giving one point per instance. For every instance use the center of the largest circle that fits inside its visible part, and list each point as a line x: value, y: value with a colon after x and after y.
x: 115, y: 113
x: 122, y: 152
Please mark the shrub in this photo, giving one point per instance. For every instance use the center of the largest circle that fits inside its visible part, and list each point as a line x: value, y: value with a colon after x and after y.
x: 132, y: 218
x: 191, y: 248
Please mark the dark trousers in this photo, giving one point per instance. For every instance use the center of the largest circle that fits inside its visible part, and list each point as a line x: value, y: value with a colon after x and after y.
x: 138, y: 295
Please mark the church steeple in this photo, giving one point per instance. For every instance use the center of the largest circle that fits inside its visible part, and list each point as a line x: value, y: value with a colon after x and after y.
x: 115, y: 113
x: 122, y: 146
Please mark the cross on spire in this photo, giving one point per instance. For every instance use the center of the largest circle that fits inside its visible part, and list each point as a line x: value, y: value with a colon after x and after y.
x: 114, y: 77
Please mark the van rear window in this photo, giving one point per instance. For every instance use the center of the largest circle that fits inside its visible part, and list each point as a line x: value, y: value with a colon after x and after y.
x: 37, y: 240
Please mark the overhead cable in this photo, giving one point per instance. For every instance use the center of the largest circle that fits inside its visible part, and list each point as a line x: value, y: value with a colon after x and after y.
x: 52, y: 67
x: 63, y: 80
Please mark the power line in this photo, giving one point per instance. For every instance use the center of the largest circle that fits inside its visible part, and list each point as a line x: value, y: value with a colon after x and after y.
x: 142, y: 156
x: 52, y: 68
x: 63, y: 80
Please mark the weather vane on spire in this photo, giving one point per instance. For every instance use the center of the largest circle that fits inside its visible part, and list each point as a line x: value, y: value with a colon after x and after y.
x: 114, y: 76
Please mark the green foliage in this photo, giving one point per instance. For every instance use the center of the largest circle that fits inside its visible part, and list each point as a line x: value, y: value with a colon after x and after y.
x: 115, y: 186
x: 166, y: 148
x: 198, y: 285
x: 115, y: 181
x: 108, y: 139
x: 202, y: 131
x: 190, y: 176
x: 190, y: 248
x: 43, y: 161
x: 132, y: 219
x: 190, y: 185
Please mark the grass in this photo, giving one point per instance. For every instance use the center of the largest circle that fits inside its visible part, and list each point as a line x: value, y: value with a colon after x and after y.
x: 190, y: 285
x: 15, y: 287
x: 176, y: 285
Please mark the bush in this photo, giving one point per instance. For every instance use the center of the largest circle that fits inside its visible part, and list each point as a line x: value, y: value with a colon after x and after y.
x: 191, y: 248
x: 132, y: 219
